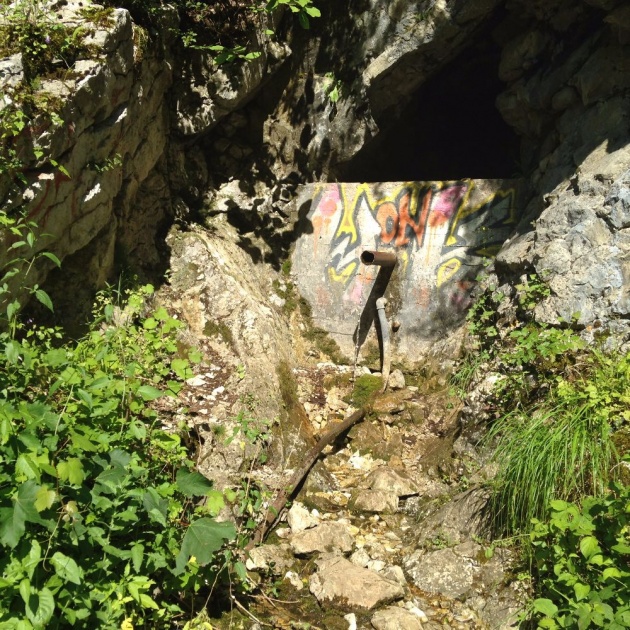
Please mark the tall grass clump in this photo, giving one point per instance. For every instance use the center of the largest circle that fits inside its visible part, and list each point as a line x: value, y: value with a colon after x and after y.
x: 562, y: 445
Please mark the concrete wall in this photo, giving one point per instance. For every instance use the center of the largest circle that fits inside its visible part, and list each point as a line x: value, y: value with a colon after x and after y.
x: 441, y: 233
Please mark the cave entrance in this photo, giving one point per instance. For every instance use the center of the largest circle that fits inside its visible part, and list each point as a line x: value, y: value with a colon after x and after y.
x: 450, y: 129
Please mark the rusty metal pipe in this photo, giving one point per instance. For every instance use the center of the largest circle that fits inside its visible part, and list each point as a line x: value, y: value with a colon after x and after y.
x: 382, y: 259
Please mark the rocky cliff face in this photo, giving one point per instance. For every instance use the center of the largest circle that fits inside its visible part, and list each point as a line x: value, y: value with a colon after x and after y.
x: 148, y: 137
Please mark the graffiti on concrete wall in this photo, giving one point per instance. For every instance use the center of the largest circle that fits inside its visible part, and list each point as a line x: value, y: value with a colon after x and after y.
x: 440, y: 231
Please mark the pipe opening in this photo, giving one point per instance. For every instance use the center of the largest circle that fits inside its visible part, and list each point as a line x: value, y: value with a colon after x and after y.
x: 382, y: 259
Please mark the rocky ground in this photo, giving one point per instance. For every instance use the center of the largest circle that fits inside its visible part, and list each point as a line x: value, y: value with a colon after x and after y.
x: 387, y: 532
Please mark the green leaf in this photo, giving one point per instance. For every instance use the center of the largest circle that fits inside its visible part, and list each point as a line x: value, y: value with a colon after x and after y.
x: 12, y: 520
x: 589, y: 546
x: 26, y: 468
x: 85, y: 397
x: 545, y: 606
x: 112, y: 477
x: 150, y: 323
x: 29, y: 564
x: 148, y: 392
x: 155, y: 505
x: 71, y: 471
x: 25, y: 590
x: 44, y: 298
x: 44, y: 498
x: 192, y: 483
x: 40, y: 607
x: 181, y: 367
x: 611, y: 572
x: 52, y: 257
x: 83, y: 442
x: 11, y: 527
x: 241, y: 571
x: 12, y: 309
x: 214, y: 502
x: 12, y: 351
x: 137, y: 554
x: 66, y: 568
x: 202, y: 539
x: 581, y: 590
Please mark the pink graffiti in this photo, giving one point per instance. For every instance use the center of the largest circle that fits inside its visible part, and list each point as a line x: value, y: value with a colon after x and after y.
x: 445, y: 204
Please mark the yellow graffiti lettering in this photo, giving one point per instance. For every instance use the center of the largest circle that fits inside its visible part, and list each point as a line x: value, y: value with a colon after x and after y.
x: 343, y: 275
x: 447, y: 270
x: 508, y: 196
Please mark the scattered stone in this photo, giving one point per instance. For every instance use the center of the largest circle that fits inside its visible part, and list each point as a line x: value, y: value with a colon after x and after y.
x: 351, y: 618
x: 274, y: 558
x: 339, y: 580
x: 395, y: 618
x: 360, y: 557
x: 374, y: 501
x: 375, y: 565
x: 300, y: 519
x: 441, y: 572
x: 386, y: 479
x: 389, y: 403
x: 412, y: 608
x: 396, y: 380
x: 323, y: 537
x: 294, y: 580
x: 394, y: 573
x: 196, y: 381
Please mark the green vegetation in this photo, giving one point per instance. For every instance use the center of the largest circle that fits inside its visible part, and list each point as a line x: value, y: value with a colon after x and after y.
x: 104, y: 520
x: 581, y: 562
x: 559, y: 446
x: 562, y: 414
x: 43, y: 40
x: 558, y: 405
x: 365, y: 389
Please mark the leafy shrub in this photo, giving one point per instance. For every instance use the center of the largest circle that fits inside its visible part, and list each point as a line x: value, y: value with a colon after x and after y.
x: 558, y: 406
x: 582, y: 559
x: 101, y: 522
x: 40, y: 36
x: 17, y: 239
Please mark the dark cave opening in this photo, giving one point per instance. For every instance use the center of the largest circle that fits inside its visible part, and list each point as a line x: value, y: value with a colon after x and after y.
x: 450, y: 129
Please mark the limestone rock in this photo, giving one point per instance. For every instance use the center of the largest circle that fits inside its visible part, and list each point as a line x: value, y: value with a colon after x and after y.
x: 395, y: 618
x: 338, y: 580
x: 396, y: 380
x: 11, y: 74
x: 386, y: 479
x: 616, y: 208
x: 395, y: 573
x: 324, y: 537
x: 442, y: 572
x: 374, y: 501
x: 274, y: 558
x: 456, y: 521
x: 299, y: 518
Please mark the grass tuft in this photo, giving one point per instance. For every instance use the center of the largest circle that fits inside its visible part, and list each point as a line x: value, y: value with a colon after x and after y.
x: 562, y: 446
